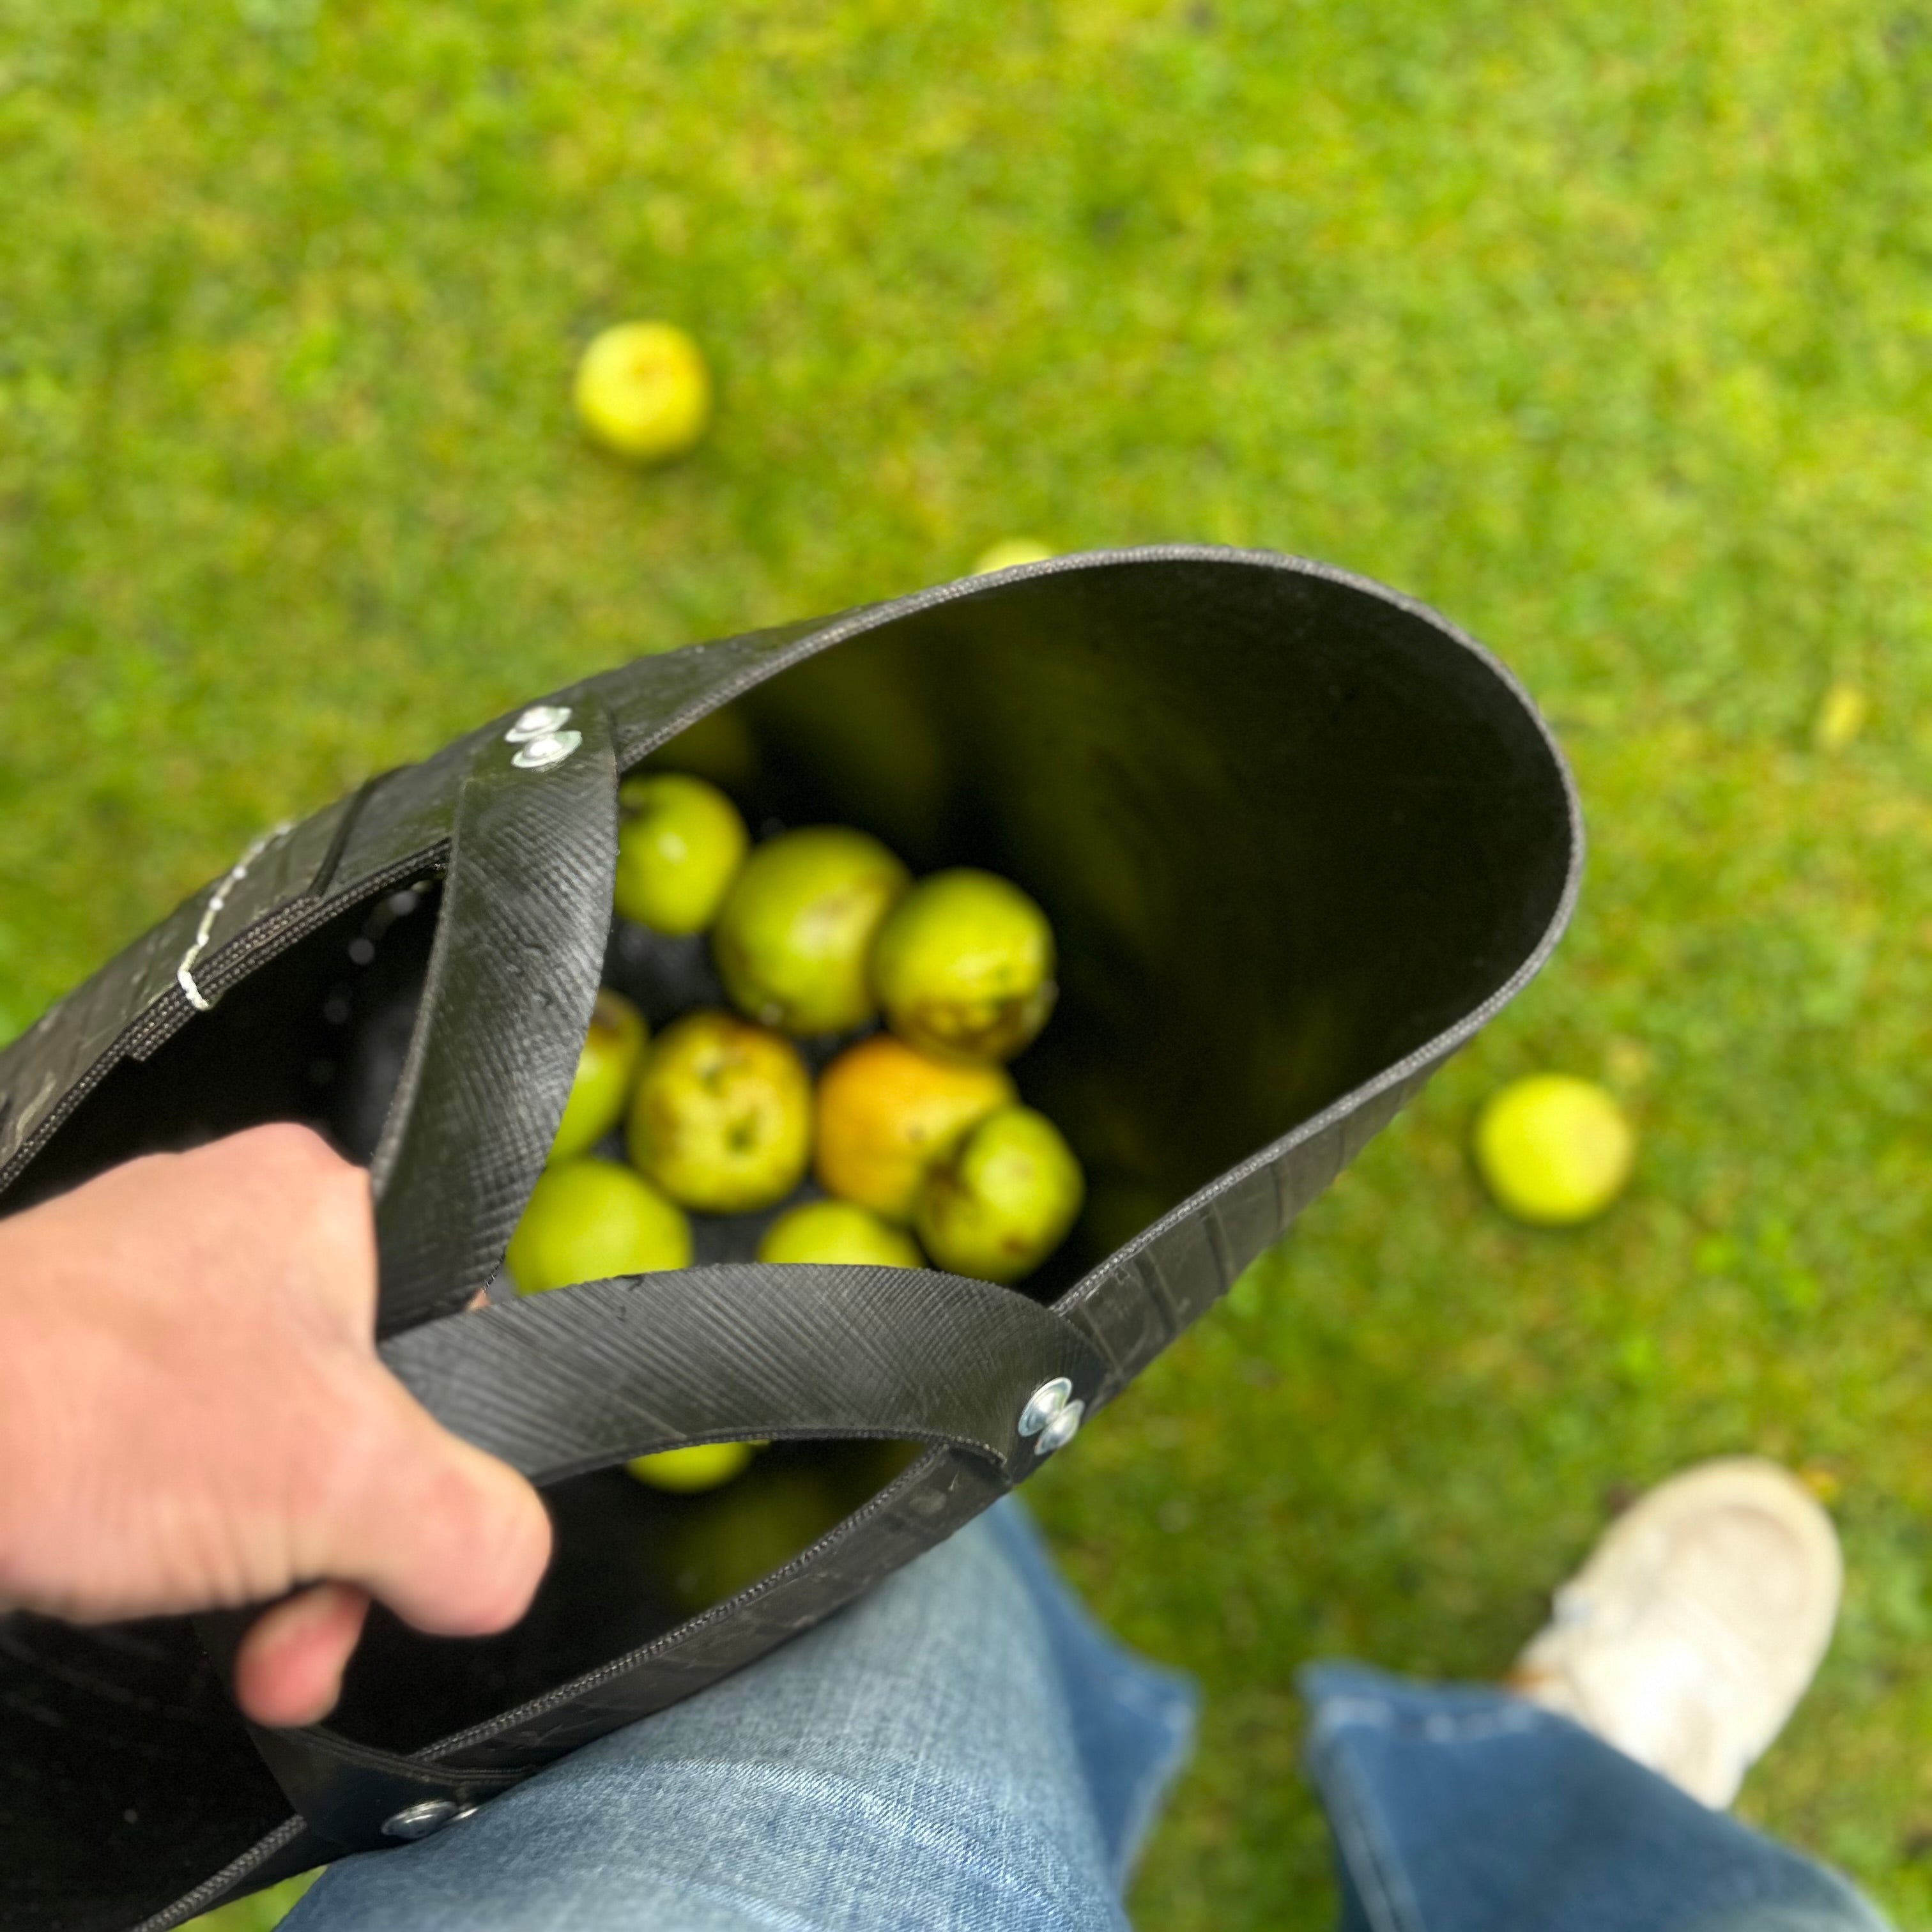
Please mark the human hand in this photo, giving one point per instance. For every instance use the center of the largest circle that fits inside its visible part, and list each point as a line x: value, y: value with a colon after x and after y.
x: 193, y: 1415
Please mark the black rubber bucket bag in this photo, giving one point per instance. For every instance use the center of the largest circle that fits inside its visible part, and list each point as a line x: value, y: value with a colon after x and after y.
x: 1298, y: 837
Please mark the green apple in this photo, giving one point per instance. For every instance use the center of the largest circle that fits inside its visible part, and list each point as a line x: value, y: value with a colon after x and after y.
x: 963, y: 966
x: 721, y: 1118
x: 704, y: 1465
x: 605, y: 1068
x: 679, y: 845
x: 1840, y: 717
x: 590, y: 1220
x: 1554, y: 1149
x: 1004, y: 1200
x: 642, y: 390
x: 794, y: 940
x: 720, y: 1547
x: 1009, y: 554
x: 834, y: 1232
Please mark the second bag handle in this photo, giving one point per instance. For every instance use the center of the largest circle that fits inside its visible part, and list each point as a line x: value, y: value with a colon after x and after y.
x: 513, y: 976
x: 577, y: 1378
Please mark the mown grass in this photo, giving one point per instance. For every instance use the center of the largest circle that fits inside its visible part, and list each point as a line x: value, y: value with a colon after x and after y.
x: 1606, y: 330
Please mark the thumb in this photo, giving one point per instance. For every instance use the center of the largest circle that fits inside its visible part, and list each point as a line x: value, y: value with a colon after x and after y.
x: 452, y: 1540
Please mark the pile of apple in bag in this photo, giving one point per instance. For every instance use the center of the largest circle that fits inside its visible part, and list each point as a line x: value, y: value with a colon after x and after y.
x: 914, y: 1133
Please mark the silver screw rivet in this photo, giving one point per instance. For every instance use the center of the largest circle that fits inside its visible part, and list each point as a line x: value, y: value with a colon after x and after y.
x: 539, y: 721
x: 426, y: 1819
x: 1045, y: 1403
x: 552, y: 749
x: 1061, y: 1430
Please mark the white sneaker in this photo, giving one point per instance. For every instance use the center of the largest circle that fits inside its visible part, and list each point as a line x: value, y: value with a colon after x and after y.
x: 1689, y: 1637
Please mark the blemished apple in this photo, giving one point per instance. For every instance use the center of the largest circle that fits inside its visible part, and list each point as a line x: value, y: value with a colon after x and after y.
x: 1553, y: 1149
x: 833, y: 1232
x: 642, y: 390
x: 721, y: 1118
x: 680, y: 842
x: 605, y: 1068
x: 1004, y: 1200
x: 963, y: 967
x: 591, y: 1220
x: 884, y: 1113
x: 793, y: 941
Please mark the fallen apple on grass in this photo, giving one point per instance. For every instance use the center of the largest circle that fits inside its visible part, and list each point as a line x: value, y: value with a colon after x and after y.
x: 644, y: 392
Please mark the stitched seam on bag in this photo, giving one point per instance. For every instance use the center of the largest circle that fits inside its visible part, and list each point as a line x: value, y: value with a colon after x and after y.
x: 256, y: 945
x: 192, y: 1904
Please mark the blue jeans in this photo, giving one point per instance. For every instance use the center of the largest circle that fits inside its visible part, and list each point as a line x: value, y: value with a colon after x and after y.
x: 966, y: 1749
x: 1458, y: 1808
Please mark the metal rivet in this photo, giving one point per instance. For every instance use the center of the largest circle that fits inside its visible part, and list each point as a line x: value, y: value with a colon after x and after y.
x: 1061, y: 1430
x: 426, y: 1819
x: 1044, y: 1403
x: 539, y: 721
x: 540, y: 754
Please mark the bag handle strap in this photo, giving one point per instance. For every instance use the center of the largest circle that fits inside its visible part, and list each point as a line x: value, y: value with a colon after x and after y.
x: 513, y: 975
x: 580, y: 1377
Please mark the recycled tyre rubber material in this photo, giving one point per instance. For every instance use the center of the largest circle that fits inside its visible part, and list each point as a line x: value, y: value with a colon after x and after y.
x: 1300, y: 838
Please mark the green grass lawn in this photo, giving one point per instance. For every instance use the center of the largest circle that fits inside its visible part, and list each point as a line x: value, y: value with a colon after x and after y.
x: 1608, y: 330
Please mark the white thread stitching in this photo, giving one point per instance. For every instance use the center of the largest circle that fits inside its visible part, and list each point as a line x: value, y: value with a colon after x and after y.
x: 183, y: 973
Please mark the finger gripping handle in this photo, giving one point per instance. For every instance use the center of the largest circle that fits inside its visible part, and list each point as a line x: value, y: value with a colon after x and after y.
x: 571, y: 1381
